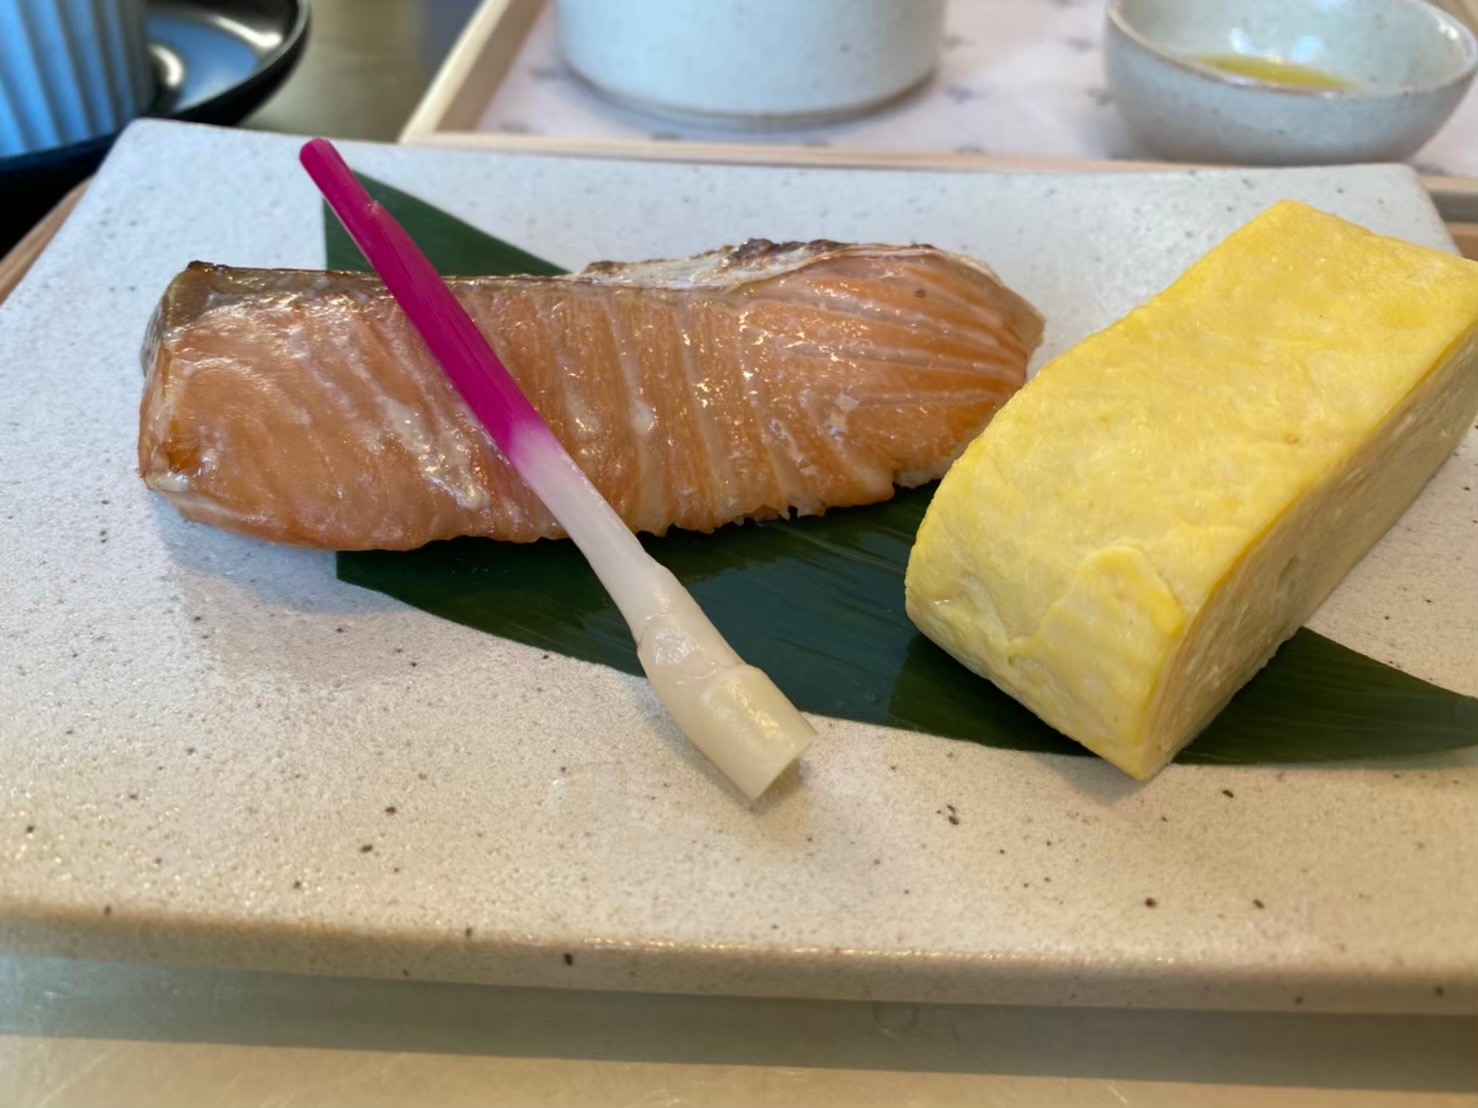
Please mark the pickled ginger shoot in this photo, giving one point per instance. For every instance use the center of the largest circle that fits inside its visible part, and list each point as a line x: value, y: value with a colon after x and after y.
x: 731, y: 711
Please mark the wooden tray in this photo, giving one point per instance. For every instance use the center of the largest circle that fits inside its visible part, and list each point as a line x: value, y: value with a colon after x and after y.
x: 452, y: 111
x: 18, y: 261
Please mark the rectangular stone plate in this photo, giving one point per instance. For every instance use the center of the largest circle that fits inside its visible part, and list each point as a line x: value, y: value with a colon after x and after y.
x: 212, y: 752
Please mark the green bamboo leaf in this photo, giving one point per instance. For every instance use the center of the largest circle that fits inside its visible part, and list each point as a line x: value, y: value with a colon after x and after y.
x: 455, y: 248
x: 818, y: 603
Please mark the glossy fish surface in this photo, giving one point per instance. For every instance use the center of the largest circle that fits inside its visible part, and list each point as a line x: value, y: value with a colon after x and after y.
x: 751, y: 382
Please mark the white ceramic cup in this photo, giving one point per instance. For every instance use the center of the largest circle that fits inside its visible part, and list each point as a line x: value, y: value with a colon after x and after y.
x: 70, y: 70
x: 752, y: 63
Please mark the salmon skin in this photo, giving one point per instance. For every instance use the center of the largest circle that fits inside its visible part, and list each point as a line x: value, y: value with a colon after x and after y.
x: 749, y: 382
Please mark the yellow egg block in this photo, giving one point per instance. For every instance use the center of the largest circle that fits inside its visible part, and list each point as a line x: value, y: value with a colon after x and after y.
x: 1142, y: 526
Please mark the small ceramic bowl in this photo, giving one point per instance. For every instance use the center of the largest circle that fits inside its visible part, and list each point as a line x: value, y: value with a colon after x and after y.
x: 751, y: 64
x: 1406, y: 65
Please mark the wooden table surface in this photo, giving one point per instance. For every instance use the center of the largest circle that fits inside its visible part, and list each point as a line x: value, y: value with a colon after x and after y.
x: 83, y: 1034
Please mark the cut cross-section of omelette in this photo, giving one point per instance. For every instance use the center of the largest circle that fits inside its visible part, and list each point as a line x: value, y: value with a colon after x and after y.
x: 1137, y: 532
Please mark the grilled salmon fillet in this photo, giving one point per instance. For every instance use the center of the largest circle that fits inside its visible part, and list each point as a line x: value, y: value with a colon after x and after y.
x: 301, y: 407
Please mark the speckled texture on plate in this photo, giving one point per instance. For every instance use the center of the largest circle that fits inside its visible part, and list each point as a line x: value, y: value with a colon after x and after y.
x: 216, y: 753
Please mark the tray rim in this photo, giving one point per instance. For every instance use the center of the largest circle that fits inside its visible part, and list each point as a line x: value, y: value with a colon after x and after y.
x: 483, y: 56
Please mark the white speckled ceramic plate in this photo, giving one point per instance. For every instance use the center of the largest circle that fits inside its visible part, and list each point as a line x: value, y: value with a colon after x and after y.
x: 213, y: 752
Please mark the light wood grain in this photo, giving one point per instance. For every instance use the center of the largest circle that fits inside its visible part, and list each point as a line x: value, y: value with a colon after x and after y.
x: 1466, y: 237
x: 1466, y: 10
x: 1456, y: 198
x: 482, y: 58
x: 473, y: 70
x: 17, y: 263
